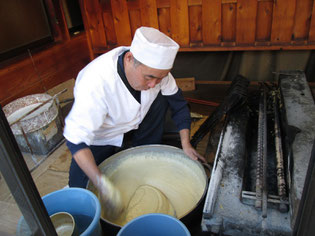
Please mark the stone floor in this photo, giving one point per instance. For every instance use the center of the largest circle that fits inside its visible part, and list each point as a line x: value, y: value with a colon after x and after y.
x: 49, y: 176
x: 51, y: 173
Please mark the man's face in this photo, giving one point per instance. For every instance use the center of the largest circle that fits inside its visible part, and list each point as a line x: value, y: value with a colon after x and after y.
x: 141, y: 77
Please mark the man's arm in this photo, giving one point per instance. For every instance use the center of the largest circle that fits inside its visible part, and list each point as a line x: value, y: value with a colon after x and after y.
x: 187, y: 147
x: 85, y: 160
x: 181, y: 117
x: 110, y: 195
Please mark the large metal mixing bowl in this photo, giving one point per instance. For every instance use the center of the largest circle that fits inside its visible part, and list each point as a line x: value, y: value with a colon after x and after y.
x: 170, y: 156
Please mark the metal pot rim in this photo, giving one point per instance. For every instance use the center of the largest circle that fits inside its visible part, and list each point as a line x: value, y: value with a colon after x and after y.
x: 144, y: 148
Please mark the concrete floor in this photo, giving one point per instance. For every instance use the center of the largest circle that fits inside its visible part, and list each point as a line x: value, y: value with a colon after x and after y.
x: 52, y: 173
x: 49, y: 176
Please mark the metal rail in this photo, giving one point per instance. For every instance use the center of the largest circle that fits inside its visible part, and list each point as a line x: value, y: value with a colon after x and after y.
x: 216, y: 176
x: 279, y: 155
x: 261, y: 169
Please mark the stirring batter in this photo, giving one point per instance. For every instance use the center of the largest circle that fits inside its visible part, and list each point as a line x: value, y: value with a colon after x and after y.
x: 154, y: 183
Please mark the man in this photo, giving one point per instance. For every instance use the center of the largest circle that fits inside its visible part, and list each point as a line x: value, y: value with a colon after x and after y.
x: 124, y: 93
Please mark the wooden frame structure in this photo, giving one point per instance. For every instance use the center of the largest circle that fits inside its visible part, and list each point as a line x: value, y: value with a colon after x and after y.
x: 44, y: 68
x: 203, y: 25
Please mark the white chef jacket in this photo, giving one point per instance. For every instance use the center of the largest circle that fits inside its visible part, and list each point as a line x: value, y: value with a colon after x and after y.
x: 103, y: 108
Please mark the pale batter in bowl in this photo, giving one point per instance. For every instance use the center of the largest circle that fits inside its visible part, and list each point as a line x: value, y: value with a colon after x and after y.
x: 148, y: 199
x: 153, y: 182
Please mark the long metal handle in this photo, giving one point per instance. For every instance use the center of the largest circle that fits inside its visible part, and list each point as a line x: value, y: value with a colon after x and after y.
x: 216, y: 176
x: 279, y: 155
x: 261, y: 169
x: 36, y: 108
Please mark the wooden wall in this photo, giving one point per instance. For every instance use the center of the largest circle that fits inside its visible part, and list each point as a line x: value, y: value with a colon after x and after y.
x: 203, y: 25
x: 43, y: 70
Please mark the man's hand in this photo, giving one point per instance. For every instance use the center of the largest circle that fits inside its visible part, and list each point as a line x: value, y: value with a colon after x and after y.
x: 188, y: 148
x: 110, y: 197
x: 193, y: 154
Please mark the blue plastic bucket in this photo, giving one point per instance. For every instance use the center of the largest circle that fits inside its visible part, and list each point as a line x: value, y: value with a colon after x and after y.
x: 82, y: 204
x: 154, y: 224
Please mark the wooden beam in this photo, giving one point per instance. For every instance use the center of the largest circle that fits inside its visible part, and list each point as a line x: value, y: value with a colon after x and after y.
x: 248, y: 48
x: 211, y: 22
x: 283, y: 20
x: 312, y: 26
x: 186, y: 84
x: 121, y: 22
x: 302, y: 20
x: 148, y: 11
x: 179, y: 22
x: 246, y: 21
x: 44, y: 70
x: 264, y: 21
x: 195, y: 23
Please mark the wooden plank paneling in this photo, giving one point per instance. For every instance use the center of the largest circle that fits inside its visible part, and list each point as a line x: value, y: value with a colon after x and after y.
x: 10, y: 84
x: 246, y: 21
x: 149, y: 13
x: 133, y: 5
x: 135, y: 20
x: 60, y: 17
x: 312, y: 26
x: 121, y: 21
x: 302, y: 19
x: 51, y: 67
x: 108, y: 22
x: 109, y: 28
x: 194, y: 2
x: 186, y: 84
x: 282, y: 21
x: 228, y: 1
x: 228, y: 22
x: 165, y: 21
x: 95, y: 24
x: 264, y: 20
x: 163, y: 3
x: 256, y: 47
x: 179, y: 22
x: 211, y: 22
x: 195, y: 29
x: 205, y: 25
x: 57, y: 26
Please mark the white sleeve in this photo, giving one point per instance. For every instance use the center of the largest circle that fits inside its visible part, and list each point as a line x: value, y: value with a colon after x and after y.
x: 168, y: 85
x: 88, y: 111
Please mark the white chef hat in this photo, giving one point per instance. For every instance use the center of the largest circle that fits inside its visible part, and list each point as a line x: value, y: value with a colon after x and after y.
x: 153, y: 48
